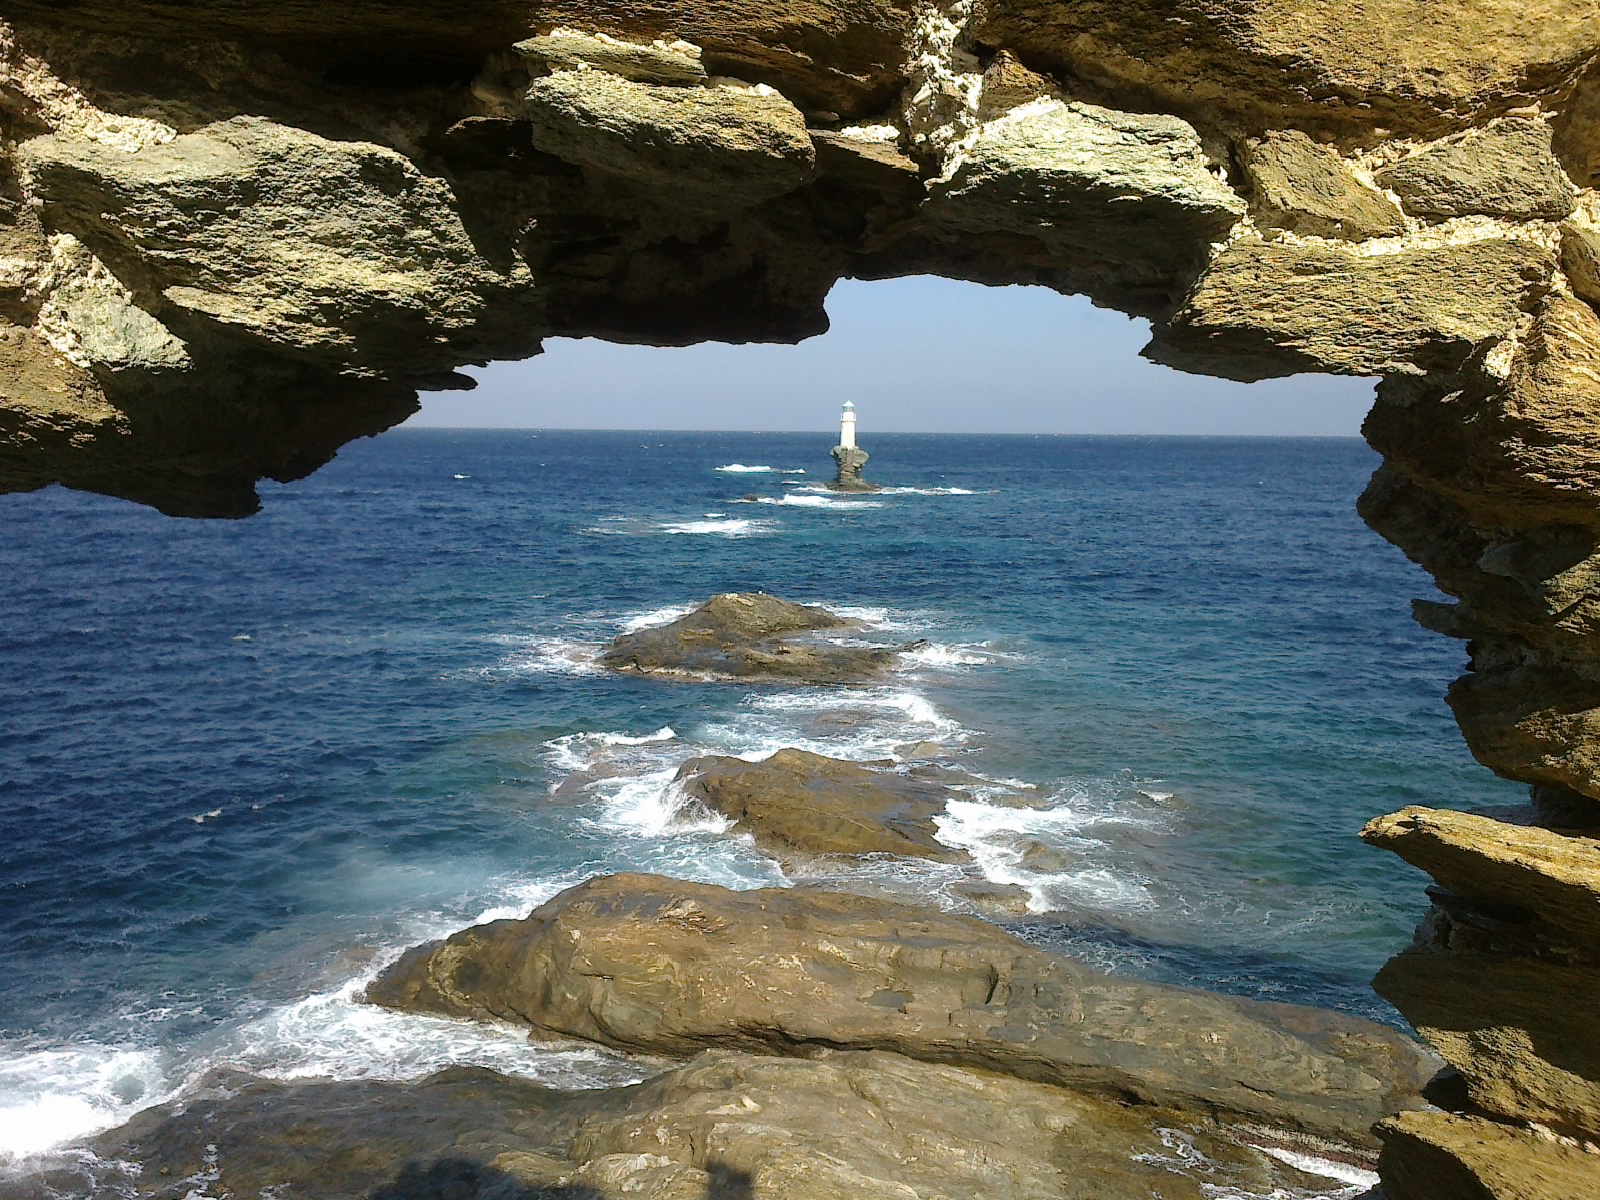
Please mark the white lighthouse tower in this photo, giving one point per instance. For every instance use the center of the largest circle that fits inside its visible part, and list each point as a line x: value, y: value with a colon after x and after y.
x: 848, y: 457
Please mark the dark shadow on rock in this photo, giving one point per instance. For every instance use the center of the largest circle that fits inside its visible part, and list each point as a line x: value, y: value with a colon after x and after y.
x: 463, y: 1179
x: 729, y: 1183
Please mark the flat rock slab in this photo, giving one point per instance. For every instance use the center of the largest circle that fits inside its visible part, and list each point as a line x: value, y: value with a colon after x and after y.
x: 797, y: 802
x: 1547, y: 875
x: 726, y: 1126
x: 662, y: 966
x: 747, y: 635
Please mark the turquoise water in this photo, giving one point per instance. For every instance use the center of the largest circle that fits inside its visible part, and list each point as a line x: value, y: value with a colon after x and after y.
x: 241, y: 764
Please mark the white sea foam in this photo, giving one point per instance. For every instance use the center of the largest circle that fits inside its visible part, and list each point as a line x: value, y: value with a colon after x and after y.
x: 1328, y: 1168
x: 51, y: 1098
x: 931, y: 491
x: 935, y: 654
x: 1000, y: 837
x: 806, y: 498
x: 731, y: 527
x: 333, y: 1035
x: 202, y: 818
x: 536, y: 655
x: 653, y: 803
x: 580, y: 751
x: 665, y: 615
x: 741, y: 469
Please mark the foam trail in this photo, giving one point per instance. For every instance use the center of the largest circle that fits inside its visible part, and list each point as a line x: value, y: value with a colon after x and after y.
x: 653, y: 804
x: 742, y: 469
x: 579, y: 751
x: 664, y: 615
x: 51, y: 1098
x: 999, y: 837
x: 934, y: 654
x: 733, y: 527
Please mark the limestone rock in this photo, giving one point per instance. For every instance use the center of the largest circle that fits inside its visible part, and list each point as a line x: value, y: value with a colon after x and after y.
x: 1580, y: 248
x: 1437, y: 1156
x: 1524, y: 450
x: 1007, y: 84
x: 731, y: 147
x: 339, y: 250
x: 845, y: 57
x: 1519, y: 1031
x: 1271, y: 308
x: 656, y: 62
x: 746, y: 635
x: 794, y: 801
x: 1506, y: 169
x: 661, y: 966
x: 1537, y: 724
x: 840, y: 1127
x: 851, y: 1125
x: 91, y: 318
x: 1091, y: 184
x: 1308, y: 188
x: 1349, y: 69
x: 1554, y: 878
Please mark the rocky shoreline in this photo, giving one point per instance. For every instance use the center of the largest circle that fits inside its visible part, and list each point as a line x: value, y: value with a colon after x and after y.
x: 799, y: 1042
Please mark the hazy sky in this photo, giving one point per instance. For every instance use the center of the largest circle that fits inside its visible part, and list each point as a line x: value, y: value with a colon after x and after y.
x: 919, y: 354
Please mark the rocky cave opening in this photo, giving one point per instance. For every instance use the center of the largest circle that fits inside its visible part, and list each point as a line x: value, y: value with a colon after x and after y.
x: 233, y: 239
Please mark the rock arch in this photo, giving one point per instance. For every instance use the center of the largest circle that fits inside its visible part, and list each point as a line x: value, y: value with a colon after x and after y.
x: 234, y: 236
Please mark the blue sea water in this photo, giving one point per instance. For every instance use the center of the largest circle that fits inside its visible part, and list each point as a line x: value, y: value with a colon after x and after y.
x: 243, y: 764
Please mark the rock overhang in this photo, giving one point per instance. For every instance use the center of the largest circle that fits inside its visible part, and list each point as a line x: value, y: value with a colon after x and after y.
x: 234, y: 237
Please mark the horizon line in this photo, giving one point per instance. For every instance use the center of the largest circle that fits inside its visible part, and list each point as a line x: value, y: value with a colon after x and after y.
x: 404, y: 427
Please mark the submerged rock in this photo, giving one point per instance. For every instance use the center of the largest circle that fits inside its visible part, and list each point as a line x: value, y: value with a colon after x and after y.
x: 662, y: 966
x: 794, y: 801
x: 747, y: 635
x: 842, y: 1126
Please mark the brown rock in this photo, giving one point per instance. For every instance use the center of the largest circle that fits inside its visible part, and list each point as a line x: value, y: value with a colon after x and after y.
x: 795, y: 801
x: 731, y: 147
x: 1270, y: 308
x: 1551, y: 877
x: 1437, y: 1156
x: 746, y: 635
x: 1580, y: 254
x: 1519, y: 1030
x: 1522, y: 451
x: 1539, y: 724
x: 842, y: 1126
x: 1309, y: 189
x: 1007, y: 84
x: 1506, y: 169
x: 656, y: 965
x: 1267, y: 64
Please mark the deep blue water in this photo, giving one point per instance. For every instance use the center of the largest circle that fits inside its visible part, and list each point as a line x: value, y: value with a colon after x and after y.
x: 242, y: 762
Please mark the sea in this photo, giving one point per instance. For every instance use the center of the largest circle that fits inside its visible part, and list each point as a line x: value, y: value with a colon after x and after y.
x: 243, y: 764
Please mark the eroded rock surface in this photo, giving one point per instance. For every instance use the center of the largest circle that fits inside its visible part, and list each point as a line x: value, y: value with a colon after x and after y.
x: 661, y: 966
x: 725, y: 1126
x: 747, y: 635
x: 794, y: 801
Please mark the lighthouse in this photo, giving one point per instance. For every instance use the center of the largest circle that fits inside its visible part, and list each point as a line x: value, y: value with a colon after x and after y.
x: 848, y: 457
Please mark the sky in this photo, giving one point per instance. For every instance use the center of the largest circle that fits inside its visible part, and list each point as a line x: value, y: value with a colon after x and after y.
x: 916, y: 355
